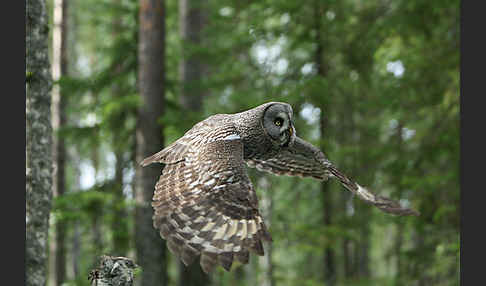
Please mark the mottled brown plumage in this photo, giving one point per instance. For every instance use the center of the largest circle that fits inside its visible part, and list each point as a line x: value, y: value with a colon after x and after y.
x: 204, y: 202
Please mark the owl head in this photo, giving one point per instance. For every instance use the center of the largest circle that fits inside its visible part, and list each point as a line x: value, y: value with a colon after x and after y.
x: 277, y: 123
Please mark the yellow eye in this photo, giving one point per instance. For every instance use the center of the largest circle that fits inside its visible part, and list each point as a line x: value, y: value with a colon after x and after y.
x: 278, y: 121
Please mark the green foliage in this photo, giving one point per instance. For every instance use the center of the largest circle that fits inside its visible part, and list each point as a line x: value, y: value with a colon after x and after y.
x: 336, y: 62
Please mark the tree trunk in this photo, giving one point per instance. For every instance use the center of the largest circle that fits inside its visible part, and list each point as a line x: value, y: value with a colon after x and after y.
x: 265, y: 185
x: 76, y: 244
x: 398, y: 250
x: 113, y: 271
x: 96, y: 208
x: 322, y: 70
x: 396, y: 179
x: 418, y: 241
x: 347, y: 258
x: 192, y: 275
x: 361, y: 170
x: 76, y: 249
x: 192, y: 17
x: 59, y: 69
x: 364, y: 244
x: 38, y: 143
x: 327, y: 198
x: 344, y: 138
x: 151, y: 250
x: 119, y: 223
x: 329, y: 263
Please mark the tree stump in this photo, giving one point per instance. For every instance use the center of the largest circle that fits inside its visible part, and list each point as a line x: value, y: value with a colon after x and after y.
x: 113, y: 271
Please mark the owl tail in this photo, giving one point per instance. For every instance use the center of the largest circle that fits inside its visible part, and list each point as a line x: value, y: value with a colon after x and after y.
x: 384, y: 204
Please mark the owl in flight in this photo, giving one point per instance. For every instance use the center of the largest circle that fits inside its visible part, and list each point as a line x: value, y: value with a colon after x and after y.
x: 204, y: 202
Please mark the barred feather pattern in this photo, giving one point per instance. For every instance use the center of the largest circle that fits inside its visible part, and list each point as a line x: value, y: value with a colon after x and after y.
x: 204, y: 203
x: 299, y: 159
x: 304, y: 160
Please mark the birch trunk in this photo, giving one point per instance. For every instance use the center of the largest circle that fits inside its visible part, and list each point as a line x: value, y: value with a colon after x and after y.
x: 38, y: 143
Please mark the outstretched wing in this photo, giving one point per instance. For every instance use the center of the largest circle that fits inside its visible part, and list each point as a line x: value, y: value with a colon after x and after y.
x: 305, y: 160
x: 301, y: 159
x: 205, y: 204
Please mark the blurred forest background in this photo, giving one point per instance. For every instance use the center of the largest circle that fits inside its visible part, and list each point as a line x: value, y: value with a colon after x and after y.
x: 374, y: 83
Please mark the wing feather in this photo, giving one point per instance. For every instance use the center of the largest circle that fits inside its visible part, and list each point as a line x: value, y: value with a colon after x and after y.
x: 301, y: 159
x: 204, y: 202
x: 304, y: 160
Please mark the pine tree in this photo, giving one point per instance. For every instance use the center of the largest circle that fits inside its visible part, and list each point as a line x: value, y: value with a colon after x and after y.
x: 59, y: 154
x: 192, y: 19
x: 150, y: 248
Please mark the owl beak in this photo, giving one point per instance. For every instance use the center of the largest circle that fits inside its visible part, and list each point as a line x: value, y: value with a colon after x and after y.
x: 288, y: 139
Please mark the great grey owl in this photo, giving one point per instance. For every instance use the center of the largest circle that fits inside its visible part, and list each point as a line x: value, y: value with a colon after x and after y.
x: 204, y: 202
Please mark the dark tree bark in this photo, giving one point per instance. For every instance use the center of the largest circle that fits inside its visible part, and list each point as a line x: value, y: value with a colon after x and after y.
x: 343, y: 138
x: 347, y: 258
x: 96, y: 208
x: 192, y: 17
x: 150, y: 247
x: 327, y: 199
x: 329, y: 255
x: 76, y: 249
x: 119, y: 224
x: 267, y: 208
x: 59, y: 69
x: 349, y: 247
x: 396, y: 179
x: 76, y: 244
x: 364, y: 244
x: 322, y: 70
x: 38, y: 143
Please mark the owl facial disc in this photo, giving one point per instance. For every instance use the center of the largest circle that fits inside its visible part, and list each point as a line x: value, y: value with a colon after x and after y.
x: 277, y: 123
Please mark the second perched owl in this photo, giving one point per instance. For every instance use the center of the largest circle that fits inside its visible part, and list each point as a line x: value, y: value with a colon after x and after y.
x: 204, y: 201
